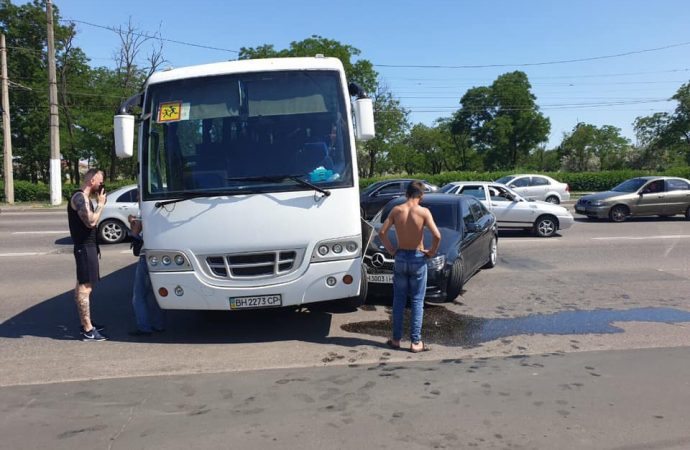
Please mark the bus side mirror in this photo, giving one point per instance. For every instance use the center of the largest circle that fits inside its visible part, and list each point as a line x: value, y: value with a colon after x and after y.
x: 363, y: 109
x: 123, y: 126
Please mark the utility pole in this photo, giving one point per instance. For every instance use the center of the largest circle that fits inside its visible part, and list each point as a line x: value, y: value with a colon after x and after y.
x: 55, y: 169
x: 6, y: 132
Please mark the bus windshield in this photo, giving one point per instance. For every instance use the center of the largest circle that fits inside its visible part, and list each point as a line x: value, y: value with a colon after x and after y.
x: 246, y: 133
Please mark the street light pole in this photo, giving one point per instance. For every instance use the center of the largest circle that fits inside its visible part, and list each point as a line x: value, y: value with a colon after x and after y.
x: 55, y: 169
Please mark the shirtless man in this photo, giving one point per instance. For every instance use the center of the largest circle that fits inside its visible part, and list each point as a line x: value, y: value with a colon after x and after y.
x: 83, y: 220
x: 409, y: 275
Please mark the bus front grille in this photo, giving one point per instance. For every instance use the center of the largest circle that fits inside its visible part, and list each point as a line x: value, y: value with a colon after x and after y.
x: 253, y: 265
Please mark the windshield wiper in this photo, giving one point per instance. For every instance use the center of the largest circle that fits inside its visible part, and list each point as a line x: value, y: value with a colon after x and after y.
x: 296, y: 178
x: 189, y: 195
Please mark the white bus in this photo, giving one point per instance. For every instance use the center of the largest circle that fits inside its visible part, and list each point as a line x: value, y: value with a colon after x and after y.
x: 249, y: 194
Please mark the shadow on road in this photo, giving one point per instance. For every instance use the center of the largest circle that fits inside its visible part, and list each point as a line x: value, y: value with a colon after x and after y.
x: 56, y: 318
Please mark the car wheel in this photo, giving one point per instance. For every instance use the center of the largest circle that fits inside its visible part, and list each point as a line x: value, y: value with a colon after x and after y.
x: 112, y: 231
x: 545, y: 226
x: 493, y: 254
x: 553, y: 199
x: 455, y: 281
x: 618, y: 213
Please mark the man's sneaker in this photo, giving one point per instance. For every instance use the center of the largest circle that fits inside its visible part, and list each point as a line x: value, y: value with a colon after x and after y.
x: 95, y: 325
x: 92, y: 335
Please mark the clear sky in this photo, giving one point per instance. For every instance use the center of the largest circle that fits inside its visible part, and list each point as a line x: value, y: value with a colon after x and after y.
x: 507, y: 34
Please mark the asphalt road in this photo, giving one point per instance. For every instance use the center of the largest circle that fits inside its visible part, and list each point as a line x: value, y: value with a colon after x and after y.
x: 580, y: 338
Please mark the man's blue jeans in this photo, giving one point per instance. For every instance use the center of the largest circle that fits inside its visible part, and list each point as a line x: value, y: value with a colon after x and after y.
x: 409, y: 280
x: 148, y: 314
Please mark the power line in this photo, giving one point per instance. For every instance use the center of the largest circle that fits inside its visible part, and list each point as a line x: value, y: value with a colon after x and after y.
x: 148, y: 36
x: 543, y: 63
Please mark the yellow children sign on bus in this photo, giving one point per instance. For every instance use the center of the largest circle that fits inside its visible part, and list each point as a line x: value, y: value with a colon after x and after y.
x: 172, y: 111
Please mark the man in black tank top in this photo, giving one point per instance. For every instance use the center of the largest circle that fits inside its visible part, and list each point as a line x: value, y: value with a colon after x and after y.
x: 83, y: 221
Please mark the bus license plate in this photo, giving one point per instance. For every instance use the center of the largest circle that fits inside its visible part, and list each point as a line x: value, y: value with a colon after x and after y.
x: 256, y: 301
x: 386, y: 278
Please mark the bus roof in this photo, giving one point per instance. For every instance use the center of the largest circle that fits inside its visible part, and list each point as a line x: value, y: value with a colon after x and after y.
x: 246, y: 65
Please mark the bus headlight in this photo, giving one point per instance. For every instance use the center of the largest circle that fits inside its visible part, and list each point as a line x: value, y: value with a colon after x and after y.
x: 335, y: 249
x: 162, y: 261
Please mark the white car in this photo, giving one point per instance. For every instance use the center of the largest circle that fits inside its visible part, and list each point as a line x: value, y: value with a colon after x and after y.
x: 511, y: 210
x: 113, y: 225
x: 537, y: 187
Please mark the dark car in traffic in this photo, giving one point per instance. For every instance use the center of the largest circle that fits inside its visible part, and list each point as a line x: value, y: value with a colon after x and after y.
x: 641, y: 196
x: 376, y: 195
x: 469, y: 242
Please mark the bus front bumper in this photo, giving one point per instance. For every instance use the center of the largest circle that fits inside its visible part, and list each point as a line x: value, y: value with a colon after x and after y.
x: 186, y: 290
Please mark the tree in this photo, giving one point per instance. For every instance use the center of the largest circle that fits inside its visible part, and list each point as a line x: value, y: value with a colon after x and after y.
x: 25, y: 29
x: 589, y: 148
x: 664, y: 137
x: 361, y: 71
x: 391, y: 124
x: 502, y: 121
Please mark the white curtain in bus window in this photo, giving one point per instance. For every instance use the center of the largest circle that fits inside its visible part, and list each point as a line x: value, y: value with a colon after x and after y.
x: 284, y: 96
x: 207, y: 100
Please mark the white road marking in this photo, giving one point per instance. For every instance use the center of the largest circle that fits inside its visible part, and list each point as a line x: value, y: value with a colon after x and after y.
x: 21, y: 213
x: 22, y: 254
x: 521, y: 240
x: 639, y: 238
x: 41, y: 232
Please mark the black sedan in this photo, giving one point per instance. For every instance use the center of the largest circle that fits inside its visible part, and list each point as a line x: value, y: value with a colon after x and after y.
x: 376, y: 195
x: 469, y: 240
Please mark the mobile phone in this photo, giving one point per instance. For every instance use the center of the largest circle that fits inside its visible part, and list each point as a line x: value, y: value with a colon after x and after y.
x: 101, y: 188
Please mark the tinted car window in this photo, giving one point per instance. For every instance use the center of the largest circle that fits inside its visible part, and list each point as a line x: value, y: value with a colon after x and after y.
x: 467, y: 216
x: 476, y: 209
x: 392, y: 188
x: 521, y: 182
x: 539, y: 181
x: 677, y: 185
x: 128, y: 197
x: 654, y: 187
x: 445, y: 215
x: 505, y: 180
x: 448, y: 189
x: 631, y: 185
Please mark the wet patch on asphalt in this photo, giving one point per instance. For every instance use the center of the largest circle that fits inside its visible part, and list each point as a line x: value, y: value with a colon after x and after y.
x: 445, y: 327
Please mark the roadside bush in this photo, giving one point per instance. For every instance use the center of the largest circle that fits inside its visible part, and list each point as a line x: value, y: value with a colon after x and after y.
x: 26, y: 191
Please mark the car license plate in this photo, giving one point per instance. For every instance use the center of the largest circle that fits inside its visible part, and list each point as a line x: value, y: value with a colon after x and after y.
x: 386, y: 278
x: 579, y: 209
x: 256, y: 301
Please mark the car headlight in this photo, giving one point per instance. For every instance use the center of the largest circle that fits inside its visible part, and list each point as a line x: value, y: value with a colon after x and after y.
x: 335, y: 249
x: 436, y: 263
x: 598, y: 203
x: 168, y: 261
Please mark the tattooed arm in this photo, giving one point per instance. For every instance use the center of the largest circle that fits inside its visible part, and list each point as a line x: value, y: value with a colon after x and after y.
x: 89, y: 218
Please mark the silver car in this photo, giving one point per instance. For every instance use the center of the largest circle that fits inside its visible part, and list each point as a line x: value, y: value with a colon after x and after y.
x: 641, y: 196
x: 113, y: 225
x: 537, y: 187
x: 511, y: 210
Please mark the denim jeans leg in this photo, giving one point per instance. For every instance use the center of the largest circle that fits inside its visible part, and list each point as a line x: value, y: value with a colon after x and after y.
x: 417, y: 291
x: 142, y: 286
x: 400, y: 288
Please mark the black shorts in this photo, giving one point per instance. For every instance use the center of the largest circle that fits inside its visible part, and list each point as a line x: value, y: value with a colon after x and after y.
x: 86, y: 257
